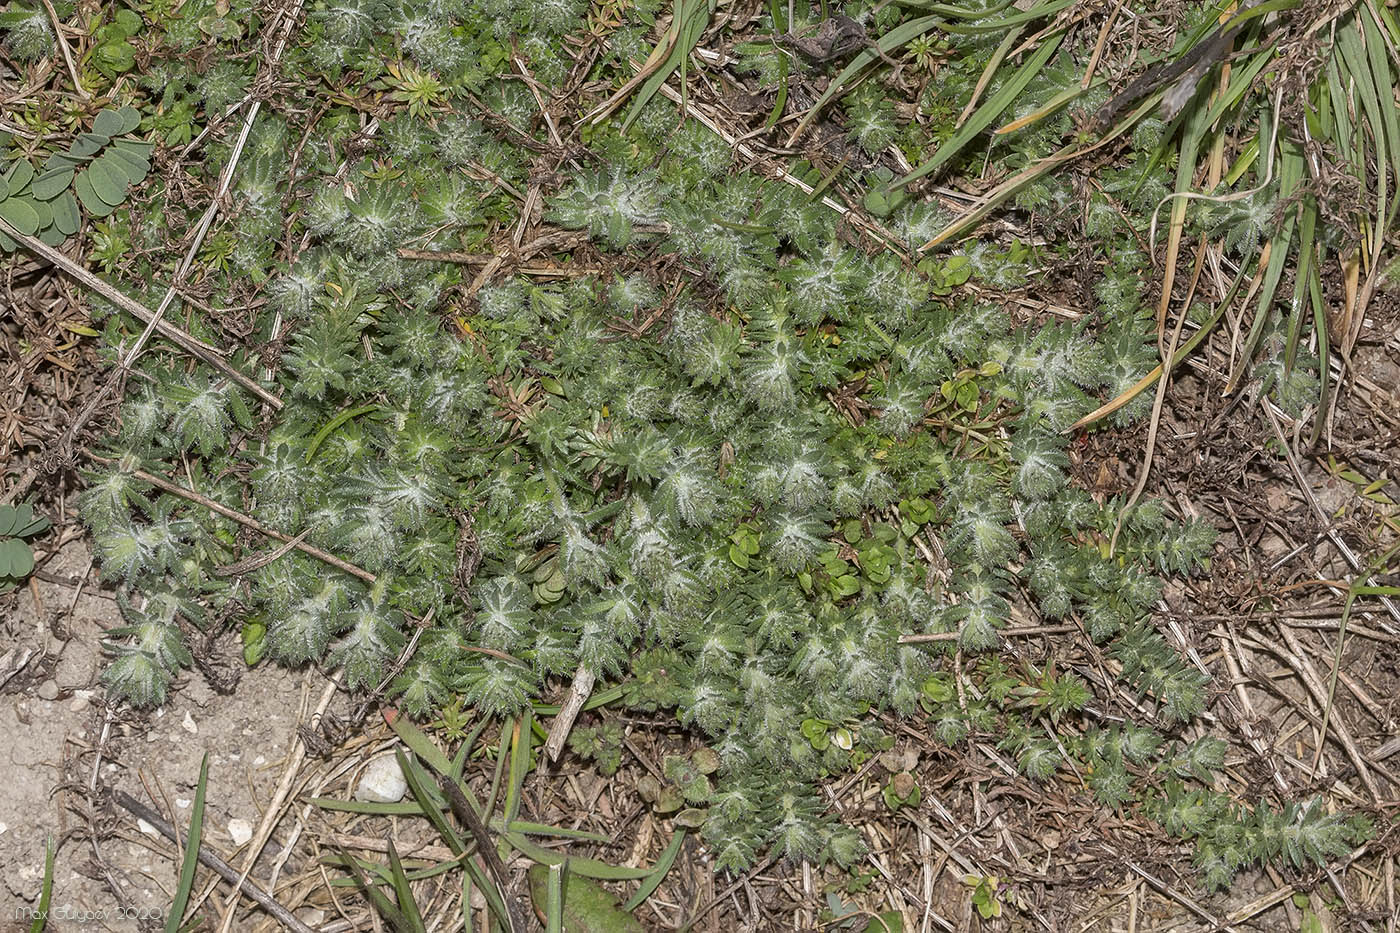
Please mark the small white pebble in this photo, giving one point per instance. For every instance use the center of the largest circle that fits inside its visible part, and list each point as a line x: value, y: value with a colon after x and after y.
x: 4, y: 828
x: 188, y: 724
x: 182, y: 803
x: 80, y: 701
x: 146, y: 828
x: 240, y: 831
x: 382, y: 782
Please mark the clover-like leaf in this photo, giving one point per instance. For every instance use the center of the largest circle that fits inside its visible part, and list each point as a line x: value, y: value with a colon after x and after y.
x: 132, y: 165
x: 16, y: 559
x: 88, y: 144
x: 21, y: 173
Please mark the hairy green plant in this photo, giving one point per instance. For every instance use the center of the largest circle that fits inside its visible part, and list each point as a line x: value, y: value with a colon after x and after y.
x: 742, y: 471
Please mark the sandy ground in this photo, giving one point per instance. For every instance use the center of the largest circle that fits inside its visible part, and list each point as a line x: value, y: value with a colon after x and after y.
x: 53, y: 722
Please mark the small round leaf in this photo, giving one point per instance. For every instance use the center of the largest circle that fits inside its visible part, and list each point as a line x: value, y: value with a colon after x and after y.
x: 131, y: 119
x: 50, y: 183
x: 42, y: 211
x: 16, y: 560
x: 108, y: 180
x: 95, y: 206
x: 66, y: 218
x: 19, y: 175
x: 108, y: 123
x: 132, y: 165
x: 21, y: 215
x: 136, y: 147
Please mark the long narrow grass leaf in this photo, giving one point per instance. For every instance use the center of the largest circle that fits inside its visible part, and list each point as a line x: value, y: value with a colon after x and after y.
x: 1146, y: 382
x: 998, y: 195
x: 554, y: 898
x: 418, y: 783
x: 386, y: 908
x: 403, y: 893
x: 691, y: 18
x: 988, y: 112
x: 887, y: 43
x: 418, y: 742
x: 519, y: 764
x: 589, y: 868
x: 41, y: 910
x: 989, y: 71
x: 658, y: 873
x: 192, y: 843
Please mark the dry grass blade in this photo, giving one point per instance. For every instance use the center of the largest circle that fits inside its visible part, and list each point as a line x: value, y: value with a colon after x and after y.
x: 688, y: 21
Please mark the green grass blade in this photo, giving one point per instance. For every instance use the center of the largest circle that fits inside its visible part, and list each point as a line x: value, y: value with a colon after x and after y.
x: 370, y: 889
x: 953, y: 12
x: 403, y: 892
x: 41, y: 911
x: 459, y: 760
x: 418, y: 742
x: 554, y: 898
x: 540, y: 829
x: 998, y: 195
x: 693, y: 16
x: 887, y: 43
x: 1241, y: 81
x: 192, y: 842
x: 418, y: 783
x: 1261, y: 9
x: 988, y: 112
x: 1324, y: 349
x: 520, y: 742
x: 1051, y: 106
x: 1290, y: 173
x: 1146, y: 382
x: 1307, y: 230
x: 589, y: 868
x: 1384, y: 81
x: 1003, y: 49
x: 1019, y: 18
x: 658, y: 873
x: 602, y: 698
x: 402, y: 808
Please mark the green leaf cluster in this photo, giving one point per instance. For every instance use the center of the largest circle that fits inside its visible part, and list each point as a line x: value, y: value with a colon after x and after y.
x: 17, y: 524
x: 97, y: 171
x: 764, y: 481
